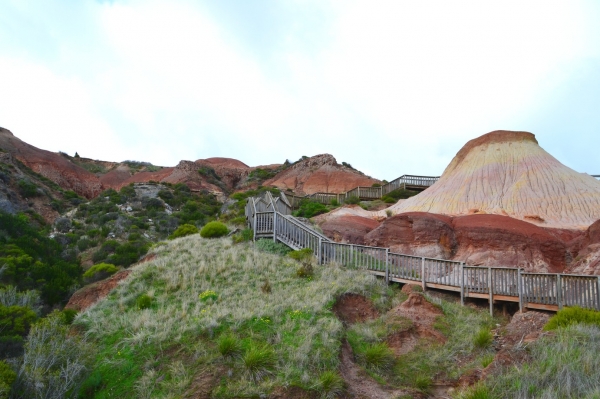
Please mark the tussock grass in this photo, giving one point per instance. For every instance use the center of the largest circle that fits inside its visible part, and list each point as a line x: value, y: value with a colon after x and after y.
x: 483, y: 338
x: 330, y: 385
x: 294, y: 319
x: 564, y: 365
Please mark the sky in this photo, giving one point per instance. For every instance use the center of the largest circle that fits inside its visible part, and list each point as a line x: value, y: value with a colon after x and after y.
x: 391, y: 87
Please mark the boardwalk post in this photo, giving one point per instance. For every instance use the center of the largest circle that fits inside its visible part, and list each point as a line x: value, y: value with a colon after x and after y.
x: 559, y: 299
x: 274, y: 225
x: 462, y: 283
x: 423, y: 282
x: 254, y: 229
x: 387, y: 266
x: 598, y: 293
x: 319, y: 252
x: 520, y: 285
x: 490, y: 291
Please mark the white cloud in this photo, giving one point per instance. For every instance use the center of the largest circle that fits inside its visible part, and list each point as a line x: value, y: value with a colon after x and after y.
x: 392, y: 87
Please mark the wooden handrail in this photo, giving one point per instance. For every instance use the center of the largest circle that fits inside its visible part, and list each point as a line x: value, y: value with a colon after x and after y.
x: 548, y: 291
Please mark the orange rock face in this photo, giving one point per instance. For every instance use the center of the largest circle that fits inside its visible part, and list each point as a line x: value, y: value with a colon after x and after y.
x: 349, y: 229
x: 508, y: 173
x: 320, y: 173
x: 483, y: 240
x: 231, y: 171
x: 52, y: 166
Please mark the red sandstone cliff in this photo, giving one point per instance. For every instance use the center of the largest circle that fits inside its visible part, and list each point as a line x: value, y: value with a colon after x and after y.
x: 320, y: 173
x: 52, y: 166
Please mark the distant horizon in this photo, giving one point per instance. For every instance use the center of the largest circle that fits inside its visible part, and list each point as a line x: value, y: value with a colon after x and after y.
x: 390, y: 87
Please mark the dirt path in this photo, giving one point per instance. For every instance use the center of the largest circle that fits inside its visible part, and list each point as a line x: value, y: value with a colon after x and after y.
x: 360, y: 385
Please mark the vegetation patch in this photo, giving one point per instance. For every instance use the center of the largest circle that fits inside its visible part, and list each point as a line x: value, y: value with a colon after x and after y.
x: 288, y: 337
x: 214, y: 230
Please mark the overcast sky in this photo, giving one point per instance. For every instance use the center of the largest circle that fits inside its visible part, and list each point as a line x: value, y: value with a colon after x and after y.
x: 392, y: 87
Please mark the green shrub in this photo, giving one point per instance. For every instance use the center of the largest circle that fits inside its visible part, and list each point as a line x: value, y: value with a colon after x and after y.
x: 573, y: 315
x: 143, y: 301
x: 99, y: 272
x: 302, y: 255
x: 184, y: 230
x: 69, y: 315
x: 229, y: 346
x: 309, y: 209
x: 213, y: 230
x: 483, y: 338
x: 330, y: 384
x: 7, y: 378
x: 334, y: 202
x: 352, y: 200
x: 56, y: 361
x: 259, y: 362
x: 272, y: 247
x: 28, y: 189
x: 243, y: 236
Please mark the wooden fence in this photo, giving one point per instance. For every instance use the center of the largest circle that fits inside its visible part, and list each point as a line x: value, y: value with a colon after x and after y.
x: 364, y: 193
x: 496, y: 284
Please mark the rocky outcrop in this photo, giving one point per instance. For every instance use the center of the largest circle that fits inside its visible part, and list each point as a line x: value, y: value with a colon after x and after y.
x: 482, y: 240
x: 320, y: 173
x: 508, y: 173
x: 52, y: 166
x: 416, y: 233
x: 587, y: 249
x: 349, y: 229
x: 231, y: 171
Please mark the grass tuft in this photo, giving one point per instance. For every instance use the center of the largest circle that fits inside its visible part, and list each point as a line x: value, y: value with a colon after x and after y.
x: 330, y: 384
x: 229, y: 346
x: 378, y: 357
x: 259, y: 362
x: 483, y: 338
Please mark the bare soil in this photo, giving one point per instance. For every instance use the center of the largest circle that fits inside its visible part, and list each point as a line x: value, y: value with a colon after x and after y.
x: 354, y: 308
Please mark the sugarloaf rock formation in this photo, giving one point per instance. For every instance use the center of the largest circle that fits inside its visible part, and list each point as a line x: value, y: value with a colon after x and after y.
x: 508, y: 173
x: 320, y: 173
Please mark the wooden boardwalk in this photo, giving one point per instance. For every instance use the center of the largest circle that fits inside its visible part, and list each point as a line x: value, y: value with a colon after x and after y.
x: 271, y: 218
x: 409, y: 182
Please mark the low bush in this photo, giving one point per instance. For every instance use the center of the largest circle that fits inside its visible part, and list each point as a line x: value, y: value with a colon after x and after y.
x: 99, y: 272
x: 272, y: 247
x: 69, y: 315
x: 55, y: 362
x: 309, y: 209
x: 352, y: 200
x: 7, y: 378
x: 213, y: 230
x: 243, y: 236
x: 184, y: 230
x: 304, y: 256
x: 573, y: 315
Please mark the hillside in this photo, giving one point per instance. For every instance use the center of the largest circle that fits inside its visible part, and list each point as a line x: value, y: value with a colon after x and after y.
x: 219, y: 309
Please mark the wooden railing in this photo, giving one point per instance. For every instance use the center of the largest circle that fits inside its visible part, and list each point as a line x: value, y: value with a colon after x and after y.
x: 546, y: 291
x: 365, y: 193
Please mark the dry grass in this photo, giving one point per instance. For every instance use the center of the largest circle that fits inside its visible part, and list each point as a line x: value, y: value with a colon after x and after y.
x: 294, y: 318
